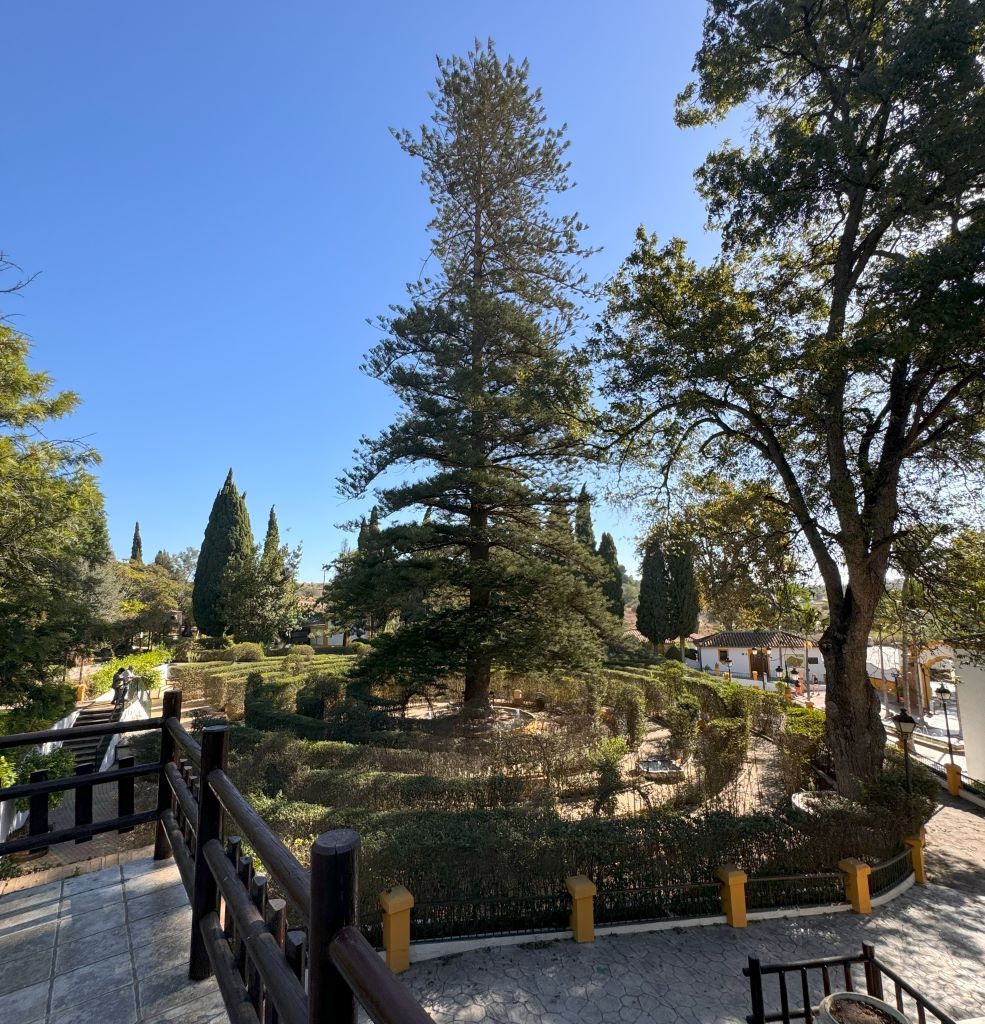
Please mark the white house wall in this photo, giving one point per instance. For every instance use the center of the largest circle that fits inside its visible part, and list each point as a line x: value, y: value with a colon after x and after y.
x: 709, y: 657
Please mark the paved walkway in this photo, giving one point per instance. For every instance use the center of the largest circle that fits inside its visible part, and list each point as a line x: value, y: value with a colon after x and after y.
x: 935, y: 935
x: 109, y: 947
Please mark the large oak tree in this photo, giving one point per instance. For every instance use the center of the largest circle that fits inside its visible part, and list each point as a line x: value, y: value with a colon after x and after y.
x: 837, y: 340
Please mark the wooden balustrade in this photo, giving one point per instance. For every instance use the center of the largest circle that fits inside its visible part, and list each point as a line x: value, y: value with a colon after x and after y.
x: 268, y: 972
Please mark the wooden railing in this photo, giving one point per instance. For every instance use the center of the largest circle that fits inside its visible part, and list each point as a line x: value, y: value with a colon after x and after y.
x: 835, y: 974
x: 269, y: 972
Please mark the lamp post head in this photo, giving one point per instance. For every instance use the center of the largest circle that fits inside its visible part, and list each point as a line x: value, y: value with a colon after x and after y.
x: 943, y: 692
x: 905, y: 722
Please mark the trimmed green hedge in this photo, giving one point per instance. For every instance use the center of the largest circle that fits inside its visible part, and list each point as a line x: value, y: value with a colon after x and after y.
x: 378, y: 791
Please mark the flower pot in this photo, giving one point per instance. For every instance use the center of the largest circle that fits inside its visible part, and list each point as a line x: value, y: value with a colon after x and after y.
x: 857, y: 1008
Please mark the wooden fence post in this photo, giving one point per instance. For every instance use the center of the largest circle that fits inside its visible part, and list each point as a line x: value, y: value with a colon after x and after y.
x: 205, y: 894
x: 334, y: 883
x: 37, y: 810
x: 83, y: 800
x: 124, y: 792
x: 172, y: 709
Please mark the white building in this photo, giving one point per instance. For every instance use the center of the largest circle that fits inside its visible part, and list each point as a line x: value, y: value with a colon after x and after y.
x: 763, y: 651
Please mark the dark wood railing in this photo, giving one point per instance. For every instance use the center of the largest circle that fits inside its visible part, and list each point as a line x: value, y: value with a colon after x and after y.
x: 269, y: 973
x: 836, y: 975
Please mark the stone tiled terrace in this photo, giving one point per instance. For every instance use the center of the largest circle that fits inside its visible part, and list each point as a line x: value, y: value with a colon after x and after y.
x: 109, y: 947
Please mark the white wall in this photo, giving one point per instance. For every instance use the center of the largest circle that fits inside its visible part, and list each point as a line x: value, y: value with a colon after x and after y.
x: 971, y: 694
x: 740, y: 661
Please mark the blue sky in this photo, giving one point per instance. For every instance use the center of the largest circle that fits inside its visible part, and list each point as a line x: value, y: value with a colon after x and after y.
x: 214, y: 206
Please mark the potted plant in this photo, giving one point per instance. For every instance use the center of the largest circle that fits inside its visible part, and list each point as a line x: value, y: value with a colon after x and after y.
x: 857, y: 1008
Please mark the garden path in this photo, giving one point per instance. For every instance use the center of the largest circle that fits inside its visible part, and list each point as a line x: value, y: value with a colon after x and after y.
x: 933, y: 934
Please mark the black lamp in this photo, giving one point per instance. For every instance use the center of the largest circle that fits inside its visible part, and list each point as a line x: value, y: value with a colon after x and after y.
x: 944, y: 693
x: 905, y: 724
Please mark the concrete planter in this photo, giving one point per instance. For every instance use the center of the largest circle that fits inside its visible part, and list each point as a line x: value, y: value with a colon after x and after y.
x: 890, y: 1013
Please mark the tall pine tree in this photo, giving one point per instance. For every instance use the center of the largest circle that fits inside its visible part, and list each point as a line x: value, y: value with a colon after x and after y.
x: 652, y: 618
x: 612, y: 585
x: 228, y: 538
x: 490, y: 397
x: 584, y: 531
x: 137, y: 547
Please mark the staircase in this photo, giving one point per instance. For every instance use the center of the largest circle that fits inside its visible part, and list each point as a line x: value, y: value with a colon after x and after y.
x: 88, y: 748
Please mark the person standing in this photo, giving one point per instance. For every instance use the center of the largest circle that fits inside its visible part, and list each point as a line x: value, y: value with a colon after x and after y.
x: 119, y: 687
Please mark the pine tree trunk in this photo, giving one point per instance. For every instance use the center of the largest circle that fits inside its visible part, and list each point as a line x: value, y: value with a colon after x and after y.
x: 478, y: 663
x: 855, y: 732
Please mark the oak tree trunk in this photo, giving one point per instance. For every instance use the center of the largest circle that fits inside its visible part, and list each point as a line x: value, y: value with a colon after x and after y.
x: 855, y: 731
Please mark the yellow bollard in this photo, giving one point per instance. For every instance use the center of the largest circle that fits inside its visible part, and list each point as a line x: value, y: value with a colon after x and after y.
x: 856, y: 873
x: 953, y: 779
x: 396, y: 904
x: 916, y: 844
x: 583, y: 893
x: 755, y: 675
x: 517, y: 696
x: 733, y: 895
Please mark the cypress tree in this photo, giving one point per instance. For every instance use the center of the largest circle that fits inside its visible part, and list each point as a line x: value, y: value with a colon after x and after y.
x: 651, y: 614
x: 490, y: 394
x: 137, y: 547
x: 584, y: 531
x: 271, y: 541
x: 228, y: 538
x: 612, y: 586
x: 682, y: 596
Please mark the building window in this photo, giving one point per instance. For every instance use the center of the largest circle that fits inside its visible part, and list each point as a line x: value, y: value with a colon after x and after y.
x: 723, y: 655
x: 812, y: 661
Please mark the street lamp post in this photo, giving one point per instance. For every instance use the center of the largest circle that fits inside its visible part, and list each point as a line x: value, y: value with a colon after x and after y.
x: 905, y: 724
x: 944, y: 693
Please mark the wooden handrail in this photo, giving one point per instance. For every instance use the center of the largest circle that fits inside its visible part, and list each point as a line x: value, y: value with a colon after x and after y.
x: 276, y: 857
x: 23, y: 739
x: 185, y: 740
x: 376, y: 988
x: 248, y: 951
x: 67, y: 782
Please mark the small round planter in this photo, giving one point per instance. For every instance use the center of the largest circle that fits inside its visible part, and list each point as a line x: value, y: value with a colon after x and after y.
x: 857, y: 1008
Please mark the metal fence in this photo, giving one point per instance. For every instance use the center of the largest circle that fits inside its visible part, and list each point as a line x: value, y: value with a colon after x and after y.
x: 782, y: 892
x: 482, y: 917
x: 890, y: 873
x: 657, y: 903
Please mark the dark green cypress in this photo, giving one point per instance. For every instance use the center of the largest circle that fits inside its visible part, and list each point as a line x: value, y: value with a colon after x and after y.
x: 271, y: 542
x: 584, y: 531
x: 682, y: 596
x: 651, y: 614
x: 137, y: 547
x: 227, y: 536
x: 612, y: 586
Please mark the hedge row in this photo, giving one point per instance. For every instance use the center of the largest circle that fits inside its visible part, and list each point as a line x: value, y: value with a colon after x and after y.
x: 523, y: 853
x: 377, y: 791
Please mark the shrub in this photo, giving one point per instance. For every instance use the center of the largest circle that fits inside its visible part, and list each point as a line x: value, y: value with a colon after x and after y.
x: 606, y: 759
x: 319, y: 688
x: 673, y: 654
x: 298, y: 659
x: 59, y: 764
x: 43, y: 705
x: 243, y: 652
x: 682, y: 720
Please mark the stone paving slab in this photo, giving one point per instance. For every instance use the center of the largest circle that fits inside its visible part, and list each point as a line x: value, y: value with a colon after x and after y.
x: 934, y: 935
x: 108, y: 947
